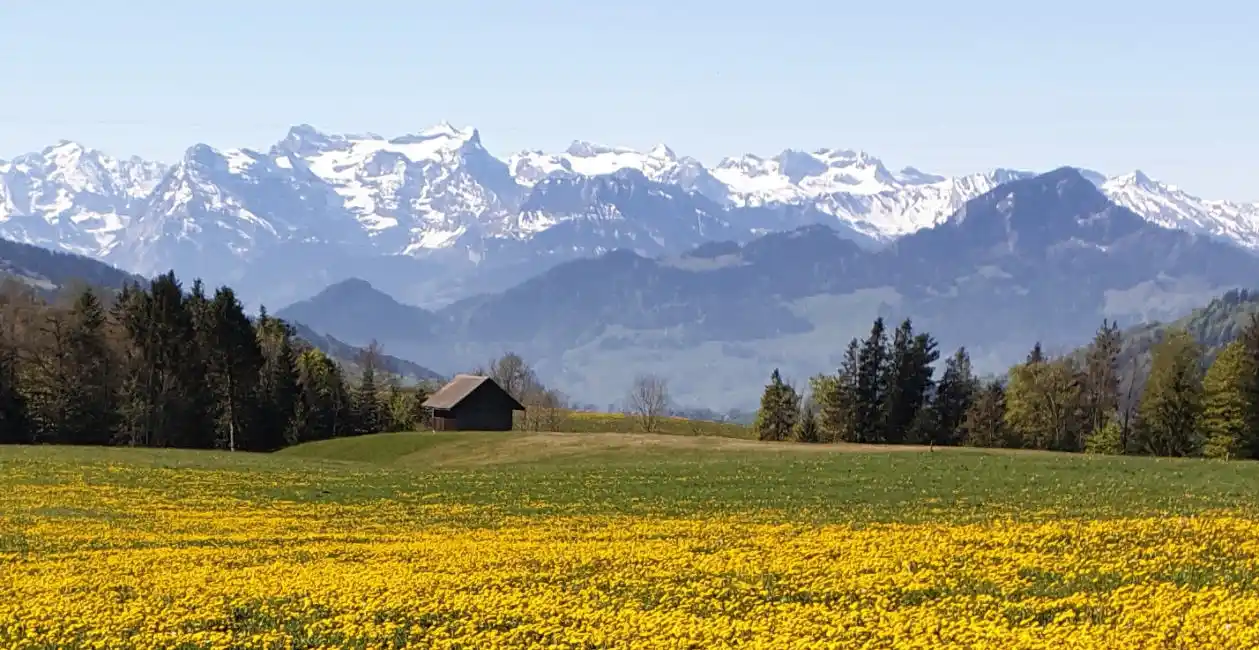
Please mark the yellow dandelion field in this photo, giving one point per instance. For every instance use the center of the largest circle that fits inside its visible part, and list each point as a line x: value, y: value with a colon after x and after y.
x: 90, y: 562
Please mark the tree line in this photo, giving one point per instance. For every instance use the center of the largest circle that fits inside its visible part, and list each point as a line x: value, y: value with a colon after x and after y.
x: 886, y: 391
x: 158, y: 366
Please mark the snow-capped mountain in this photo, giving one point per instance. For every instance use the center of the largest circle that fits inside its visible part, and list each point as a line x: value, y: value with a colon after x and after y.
x: 1171, y: 207
x: 440, y: 200
x: 72, y: 198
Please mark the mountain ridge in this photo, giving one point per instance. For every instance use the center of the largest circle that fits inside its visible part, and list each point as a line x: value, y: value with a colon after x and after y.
x: 458, y: 219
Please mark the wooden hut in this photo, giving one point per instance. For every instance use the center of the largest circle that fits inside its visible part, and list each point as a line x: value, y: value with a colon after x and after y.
x: 472, y: 403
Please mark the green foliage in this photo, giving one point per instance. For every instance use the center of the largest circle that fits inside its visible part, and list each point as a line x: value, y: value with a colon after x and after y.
x: 162, y: 367
x: 906, y: 382
x: 870, y: 392
x: 14, y: 421
x: 954, y: 395
x: 1168, y: 416
x: 807, y: 429
x: 1226, y: 406
x: 1100, y: 380
x: 1043, y: 406
x: 323, y: 406
x: 780, y: 408
x: 1107, y: 439
x: 836, y: 399
x: 984, y: 424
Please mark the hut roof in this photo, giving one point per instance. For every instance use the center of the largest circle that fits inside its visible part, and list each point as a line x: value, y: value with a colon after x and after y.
x: 460, y: 388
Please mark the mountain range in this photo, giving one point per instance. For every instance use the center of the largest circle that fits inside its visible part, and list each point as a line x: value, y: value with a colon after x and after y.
x: 1039, y: 258
x: 433, y: 217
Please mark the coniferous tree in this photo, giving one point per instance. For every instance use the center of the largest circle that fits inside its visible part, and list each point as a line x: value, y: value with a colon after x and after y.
x: 234, y: 365
x: 836, y: 399
x: 807, y: 429
x: 160, y: 408
x: 278, y: 387
x: 133, y: 374
x: 780, y: 407
x: 985, y: 423
x: 323, y: 408
x: 898, y: 398
x: 1225, y: 405
x: 1100, y: 383
x: 1248, y: 338
x: 869, y: 394
x: 1037, y: 355
x: 202, y: 408
x: 368, y: 411
x: 953, y: 398
x: 91, y: 395
x: 1170, y: 408
x: 14, y: 421
x: 908, y: 384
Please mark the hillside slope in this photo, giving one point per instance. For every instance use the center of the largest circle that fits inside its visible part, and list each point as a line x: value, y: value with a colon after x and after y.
x: 49, y: 272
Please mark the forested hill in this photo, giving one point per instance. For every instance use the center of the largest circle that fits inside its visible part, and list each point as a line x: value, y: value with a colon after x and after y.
x: 1213, y: 326
x: 49, y: 273
x: 348, y: 355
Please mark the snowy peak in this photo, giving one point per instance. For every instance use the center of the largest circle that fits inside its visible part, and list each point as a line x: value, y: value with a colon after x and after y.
x: 1172, y: 207
x: 73, y: 198
x: 1136, y: 179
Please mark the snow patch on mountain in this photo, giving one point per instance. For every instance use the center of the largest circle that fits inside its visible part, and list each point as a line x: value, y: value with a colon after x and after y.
x: 1171, y: 207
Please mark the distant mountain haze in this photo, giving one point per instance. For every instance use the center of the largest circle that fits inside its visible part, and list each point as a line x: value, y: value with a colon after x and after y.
x: 1038, y: 258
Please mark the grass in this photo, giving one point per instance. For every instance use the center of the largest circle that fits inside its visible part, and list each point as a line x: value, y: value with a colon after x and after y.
x: 588, y: 422
x: 512, y: 473
x: 517, y: 539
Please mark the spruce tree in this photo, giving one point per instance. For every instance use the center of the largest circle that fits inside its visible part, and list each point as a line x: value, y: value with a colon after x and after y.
x: 780, y: 406
x: 15, y: 426
x: 1225, y: 405
x: 835, y: 397
x: 278, y: 389
x: 71, y: 396
x: 953, y: 398
x: 368, y: 411
x: 898, y: 398
x: 1170, y: 408
x: 869, y: 390
x: 159, y: 407
x: 201, y: 407
x: 90, y: 394
x: 807, y: 429
x: 234, y: 365
x: 1100, y: 383
x: 985, y: 423
x: 1037, y: 355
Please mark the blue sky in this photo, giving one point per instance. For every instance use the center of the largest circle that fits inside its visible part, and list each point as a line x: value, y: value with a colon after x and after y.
x: 1171, y: 88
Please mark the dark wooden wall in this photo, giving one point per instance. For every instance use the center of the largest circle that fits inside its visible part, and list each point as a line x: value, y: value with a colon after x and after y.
x: 486, y: 409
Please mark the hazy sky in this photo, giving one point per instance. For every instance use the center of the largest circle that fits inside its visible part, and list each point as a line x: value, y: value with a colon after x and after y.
x: 949, y: 87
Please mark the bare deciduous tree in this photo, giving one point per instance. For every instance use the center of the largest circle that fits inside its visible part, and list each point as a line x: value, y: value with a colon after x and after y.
x: 513, y: 375
x: 648, y: 400
x: 545, y: 411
